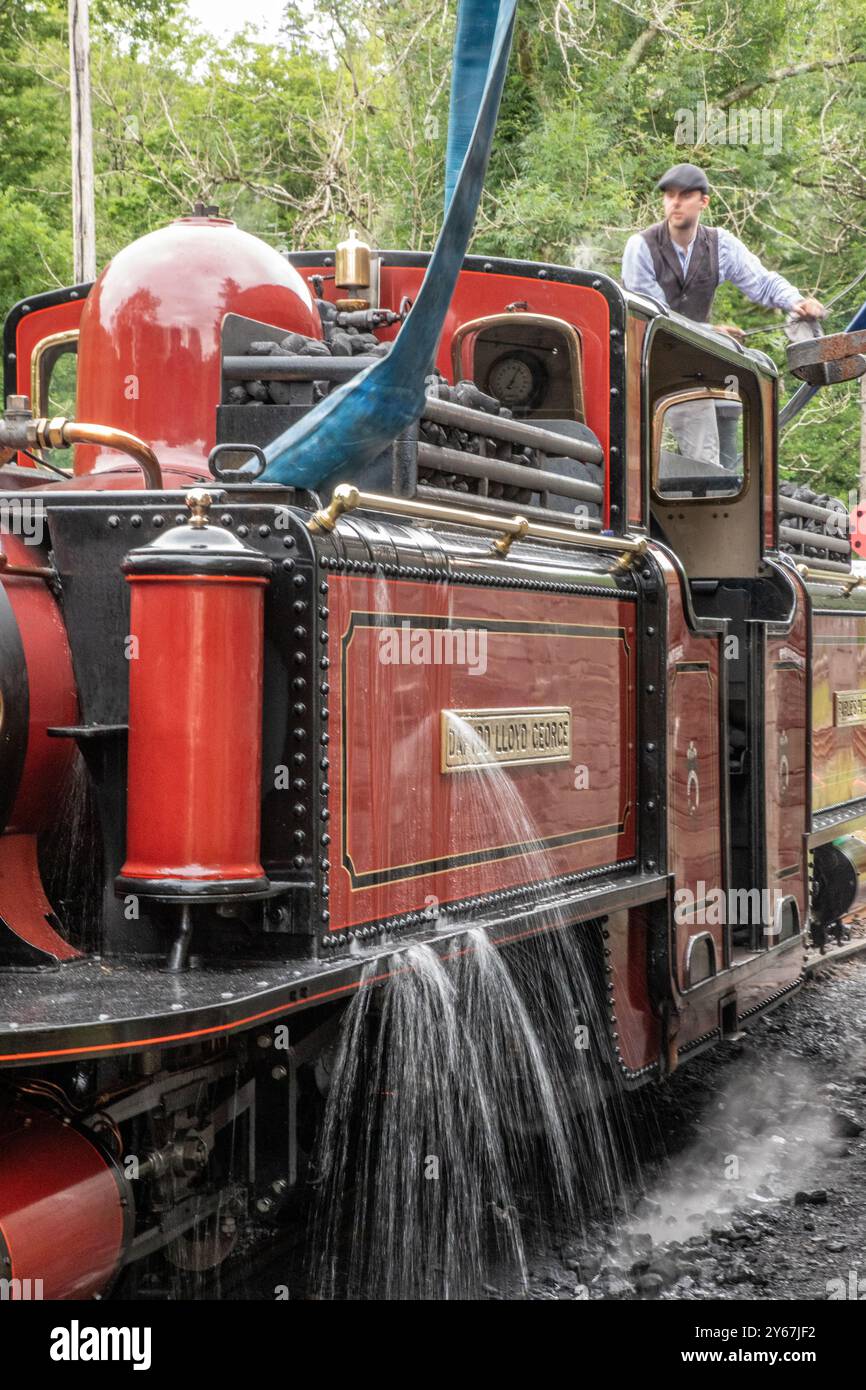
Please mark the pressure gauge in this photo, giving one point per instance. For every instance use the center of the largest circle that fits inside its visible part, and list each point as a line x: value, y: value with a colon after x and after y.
x: 517, y: 380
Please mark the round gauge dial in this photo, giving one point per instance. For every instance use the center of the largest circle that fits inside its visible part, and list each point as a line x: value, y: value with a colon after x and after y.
x: 514, y: 380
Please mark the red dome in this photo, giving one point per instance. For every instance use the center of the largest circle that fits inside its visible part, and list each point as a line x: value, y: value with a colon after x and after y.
x: 149, y: 350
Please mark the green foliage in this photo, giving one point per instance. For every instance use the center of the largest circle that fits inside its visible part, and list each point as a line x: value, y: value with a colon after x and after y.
x: 344, y: 121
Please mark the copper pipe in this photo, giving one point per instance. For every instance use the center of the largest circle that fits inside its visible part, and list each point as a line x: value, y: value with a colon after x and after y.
x: 30, y: 571
x: 60, y: 433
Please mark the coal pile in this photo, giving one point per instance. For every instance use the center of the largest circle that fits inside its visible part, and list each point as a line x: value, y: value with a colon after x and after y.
x: 345, y: 341
x: 833, y: 524
x: 352, y: 334
x: 467, y: 394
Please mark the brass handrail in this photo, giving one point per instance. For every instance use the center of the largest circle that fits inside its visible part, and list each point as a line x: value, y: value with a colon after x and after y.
x: 848, y: 582
x: 346, y: 498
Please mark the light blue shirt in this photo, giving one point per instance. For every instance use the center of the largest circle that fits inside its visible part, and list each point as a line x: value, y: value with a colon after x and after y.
x: 737, y: 265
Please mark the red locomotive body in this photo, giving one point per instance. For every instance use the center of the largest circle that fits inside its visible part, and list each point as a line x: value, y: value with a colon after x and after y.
x: 537, y: 670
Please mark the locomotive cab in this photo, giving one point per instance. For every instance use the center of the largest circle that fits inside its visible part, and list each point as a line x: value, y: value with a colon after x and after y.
x: 709, y: 420
x: 709, y: 414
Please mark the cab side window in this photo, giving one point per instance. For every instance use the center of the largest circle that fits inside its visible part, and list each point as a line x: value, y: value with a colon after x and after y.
x: 706, y: 450
x: 53, y: 386
x: 699, y: 445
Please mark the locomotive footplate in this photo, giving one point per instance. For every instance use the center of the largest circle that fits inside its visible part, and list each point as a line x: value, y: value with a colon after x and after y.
x: 99, y: 1008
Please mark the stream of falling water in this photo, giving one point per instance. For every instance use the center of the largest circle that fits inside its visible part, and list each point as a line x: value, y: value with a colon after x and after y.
x: 469, y: 1094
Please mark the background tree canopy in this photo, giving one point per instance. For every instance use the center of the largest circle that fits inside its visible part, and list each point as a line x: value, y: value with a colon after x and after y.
x: 344, y: 121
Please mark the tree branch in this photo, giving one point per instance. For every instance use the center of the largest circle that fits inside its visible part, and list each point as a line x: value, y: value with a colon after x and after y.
x: 746, y: 89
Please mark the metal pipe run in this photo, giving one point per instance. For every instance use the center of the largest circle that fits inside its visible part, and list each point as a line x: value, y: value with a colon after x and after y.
x: 792, y: 506
x: 294, y: 368
x: 512, y: 431
x: 500, y: 471
x: 836, y: 566
x: 60, y: 433
x: 814, y: 539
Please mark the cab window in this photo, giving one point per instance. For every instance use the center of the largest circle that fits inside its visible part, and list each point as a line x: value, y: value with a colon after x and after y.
x: 54, y: 381
x: 698, y: 445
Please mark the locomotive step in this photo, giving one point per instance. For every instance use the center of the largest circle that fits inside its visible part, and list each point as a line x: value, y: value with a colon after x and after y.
x: 98, y: 1008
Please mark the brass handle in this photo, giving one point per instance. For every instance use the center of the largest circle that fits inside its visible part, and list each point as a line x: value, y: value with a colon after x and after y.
x: 199, y: 501
x: 848, y: 582
x: 344, y: 499
x: 627, y: 560
x: 517, y: 529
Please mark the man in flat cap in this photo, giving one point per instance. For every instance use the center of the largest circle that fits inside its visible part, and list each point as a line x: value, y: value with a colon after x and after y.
x: 682, y: 264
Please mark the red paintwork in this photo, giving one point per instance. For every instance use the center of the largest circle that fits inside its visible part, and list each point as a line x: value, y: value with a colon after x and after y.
x: 31, y: 329
x: 767, y: 974
x: 695, y: 835
x: 634, y: 343
x: 23, y: 904
x: 695, y: 845
x: 638, y: 1028
x: 403, y: 809
x: 786, y: 694
x: 838, y: 753
x: 60, y: 1212
x: 125, y: 477
x: 195, y: 718
x: 149, y: 351
x: 53, y: 699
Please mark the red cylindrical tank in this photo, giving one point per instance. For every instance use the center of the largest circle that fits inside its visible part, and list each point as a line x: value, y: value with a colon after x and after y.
x: 43, y: 691
x: 65, y: 1211
x: 149, y: 346
x: 195, y: 714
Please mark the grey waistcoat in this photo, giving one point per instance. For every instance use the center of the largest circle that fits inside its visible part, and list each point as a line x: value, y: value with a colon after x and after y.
x: 693, y: 296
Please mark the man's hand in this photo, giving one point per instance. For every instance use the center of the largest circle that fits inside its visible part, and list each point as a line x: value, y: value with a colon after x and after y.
x: 732, y: 331
x: 809, y: 309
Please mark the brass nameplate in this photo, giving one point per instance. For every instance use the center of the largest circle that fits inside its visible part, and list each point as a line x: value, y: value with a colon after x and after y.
x: 849, y: 707
x: 473, y: 738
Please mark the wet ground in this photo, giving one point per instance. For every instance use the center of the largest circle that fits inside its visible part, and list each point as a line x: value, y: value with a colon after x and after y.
x: 753, y: 1174
x: 748, y: 1180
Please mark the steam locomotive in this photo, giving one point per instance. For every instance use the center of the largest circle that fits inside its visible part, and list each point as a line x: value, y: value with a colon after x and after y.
x: 256, y: 736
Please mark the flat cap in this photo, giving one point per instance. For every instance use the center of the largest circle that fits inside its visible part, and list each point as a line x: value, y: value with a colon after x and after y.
x: 685, y: 176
